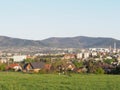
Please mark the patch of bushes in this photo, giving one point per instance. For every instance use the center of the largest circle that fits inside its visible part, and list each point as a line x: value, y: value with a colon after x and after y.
x: 99, y: 71
x: 2, y: 67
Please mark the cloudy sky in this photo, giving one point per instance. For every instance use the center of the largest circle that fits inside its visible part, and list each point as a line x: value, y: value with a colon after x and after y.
x: 40, y: 19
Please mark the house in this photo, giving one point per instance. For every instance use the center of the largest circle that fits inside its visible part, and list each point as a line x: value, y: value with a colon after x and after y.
x: 29, y: 57
x: 69, y: 56
x: 66, y: 67
x: 94, y: 54
x: 3, y: 59
x: 47, y: 66
x: 15, y: 67
x: 79, y: 55
x: 19, y: 58
x: 33, y: 67
x: 86, y: 55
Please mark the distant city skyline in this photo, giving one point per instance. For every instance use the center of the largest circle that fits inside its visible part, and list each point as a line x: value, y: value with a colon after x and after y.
x: 41, y: 19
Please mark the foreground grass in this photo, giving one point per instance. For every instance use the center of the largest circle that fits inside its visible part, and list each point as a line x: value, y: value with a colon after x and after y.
x: 20, y: 81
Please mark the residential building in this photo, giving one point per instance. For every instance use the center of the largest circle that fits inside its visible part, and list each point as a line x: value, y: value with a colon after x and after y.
x: 79, y: 55
x: 19, y: 58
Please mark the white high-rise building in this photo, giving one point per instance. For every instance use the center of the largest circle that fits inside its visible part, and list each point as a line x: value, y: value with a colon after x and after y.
x: 79, y: 55
x: 86, y: 55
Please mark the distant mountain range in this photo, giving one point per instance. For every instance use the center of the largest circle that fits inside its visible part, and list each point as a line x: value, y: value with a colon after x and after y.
x: 66, y: 42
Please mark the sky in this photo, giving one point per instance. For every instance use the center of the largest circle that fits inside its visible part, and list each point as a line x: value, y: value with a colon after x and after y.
x: 41, y: 19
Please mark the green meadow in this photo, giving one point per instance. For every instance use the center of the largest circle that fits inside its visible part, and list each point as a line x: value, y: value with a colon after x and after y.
x: 21, y: 81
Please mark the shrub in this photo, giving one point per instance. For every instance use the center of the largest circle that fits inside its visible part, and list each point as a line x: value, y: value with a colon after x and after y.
x: 99, y: 71
x: 2, y: 67
x: 42, y: 71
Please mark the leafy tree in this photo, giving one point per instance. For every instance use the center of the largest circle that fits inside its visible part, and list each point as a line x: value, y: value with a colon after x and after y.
x: 28, y: 60
x: 11, y: 60
x: 91, y: 67
x: 108, y: 61
x: 116, y: 70
x: 94, y: 67
x: 78, y: 64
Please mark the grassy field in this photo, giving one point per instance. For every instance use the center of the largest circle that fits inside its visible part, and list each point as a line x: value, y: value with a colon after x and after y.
x: 20, y: 81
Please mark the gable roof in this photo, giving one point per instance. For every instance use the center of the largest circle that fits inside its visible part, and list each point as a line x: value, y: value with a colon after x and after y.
x: 35, y: 65
x: 13, y: 65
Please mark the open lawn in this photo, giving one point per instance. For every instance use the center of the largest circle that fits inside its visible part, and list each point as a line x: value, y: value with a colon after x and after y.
x: 20, y: 81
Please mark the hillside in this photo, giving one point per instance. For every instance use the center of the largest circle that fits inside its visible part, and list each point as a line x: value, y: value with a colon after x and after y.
x: 81, y: 42
x: 15, y: 42
x: 67, y: 42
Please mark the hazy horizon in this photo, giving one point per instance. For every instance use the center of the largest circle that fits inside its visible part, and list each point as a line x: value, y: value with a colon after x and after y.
x: 38, y: 19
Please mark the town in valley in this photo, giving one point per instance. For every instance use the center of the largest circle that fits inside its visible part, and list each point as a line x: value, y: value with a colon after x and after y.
x: 61, y: 60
